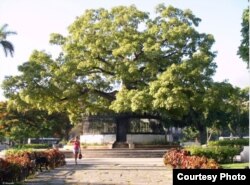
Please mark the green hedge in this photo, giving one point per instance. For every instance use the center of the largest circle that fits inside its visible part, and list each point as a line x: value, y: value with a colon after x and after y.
x: 222, y: 154
x: 227, y: 142
x: 33, y: 146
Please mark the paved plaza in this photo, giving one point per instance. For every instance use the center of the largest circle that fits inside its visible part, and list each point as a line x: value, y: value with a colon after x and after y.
x: 107, y: 171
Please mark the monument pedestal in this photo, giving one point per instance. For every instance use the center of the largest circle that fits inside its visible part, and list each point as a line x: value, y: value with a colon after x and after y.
x: 245, y: 154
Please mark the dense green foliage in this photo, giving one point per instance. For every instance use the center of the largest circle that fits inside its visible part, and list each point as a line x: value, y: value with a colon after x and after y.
x: 33, y: 146
x: 222, y: 154
x: 120, y: 60
x: 189, y: 134
x: 32, y: 123
x: 232, y: 143
x: 226, y: 110
x: 222, y: 151
x: 243, y: 51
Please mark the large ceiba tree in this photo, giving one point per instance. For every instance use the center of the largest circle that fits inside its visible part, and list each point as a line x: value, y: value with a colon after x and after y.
x: 121, y: 61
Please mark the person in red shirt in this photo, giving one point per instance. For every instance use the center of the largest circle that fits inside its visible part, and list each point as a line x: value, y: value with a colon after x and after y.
x: 76, y: 148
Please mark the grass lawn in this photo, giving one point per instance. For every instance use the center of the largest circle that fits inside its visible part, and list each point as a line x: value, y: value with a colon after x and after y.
x: 235, y: 166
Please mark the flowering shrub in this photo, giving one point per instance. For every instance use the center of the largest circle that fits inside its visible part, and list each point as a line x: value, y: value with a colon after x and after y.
x: 20, y: 164
x: 55, y: 158
x: 10, y: 172
x: 182, y: 159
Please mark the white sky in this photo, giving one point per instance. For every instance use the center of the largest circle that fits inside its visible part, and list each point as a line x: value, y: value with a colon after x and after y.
x: 34, y: 20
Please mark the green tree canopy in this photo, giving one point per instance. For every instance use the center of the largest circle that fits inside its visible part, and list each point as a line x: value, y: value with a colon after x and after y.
x: 226, y: 109
x: 238, y: 111
x: 20, y: 125
x: 243, y: 50
x: 120, y: 60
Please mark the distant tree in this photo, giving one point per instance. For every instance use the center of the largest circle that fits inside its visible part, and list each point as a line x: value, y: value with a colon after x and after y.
x: 238, y: 111
x: 216, y: 102
x: 7, y: 46
x: 243, y: 50
x: 227, y: 109
x: 18, y: 126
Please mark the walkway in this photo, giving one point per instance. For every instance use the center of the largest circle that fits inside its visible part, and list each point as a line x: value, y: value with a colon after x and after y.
x: 107, y: 171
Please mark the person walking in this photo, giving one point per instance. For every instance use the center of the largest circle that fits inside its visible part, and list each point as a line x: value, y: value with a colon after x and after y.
x: 76, y: 148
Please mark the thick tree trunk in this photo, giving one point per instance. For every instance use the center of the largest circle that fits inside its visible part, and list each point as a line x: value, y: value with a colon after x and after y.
x: 122, y: 129
x: 202, y: 134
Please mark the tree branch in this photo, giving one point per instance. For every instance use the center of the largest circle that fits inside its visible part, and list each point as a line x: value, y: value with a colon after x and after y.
x: 100, y: 70
x: 110, y: 96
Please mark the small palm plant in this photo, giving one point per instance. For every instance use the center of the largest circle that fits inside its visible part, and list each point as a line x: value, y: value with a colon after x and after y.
x: 7, y: 46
